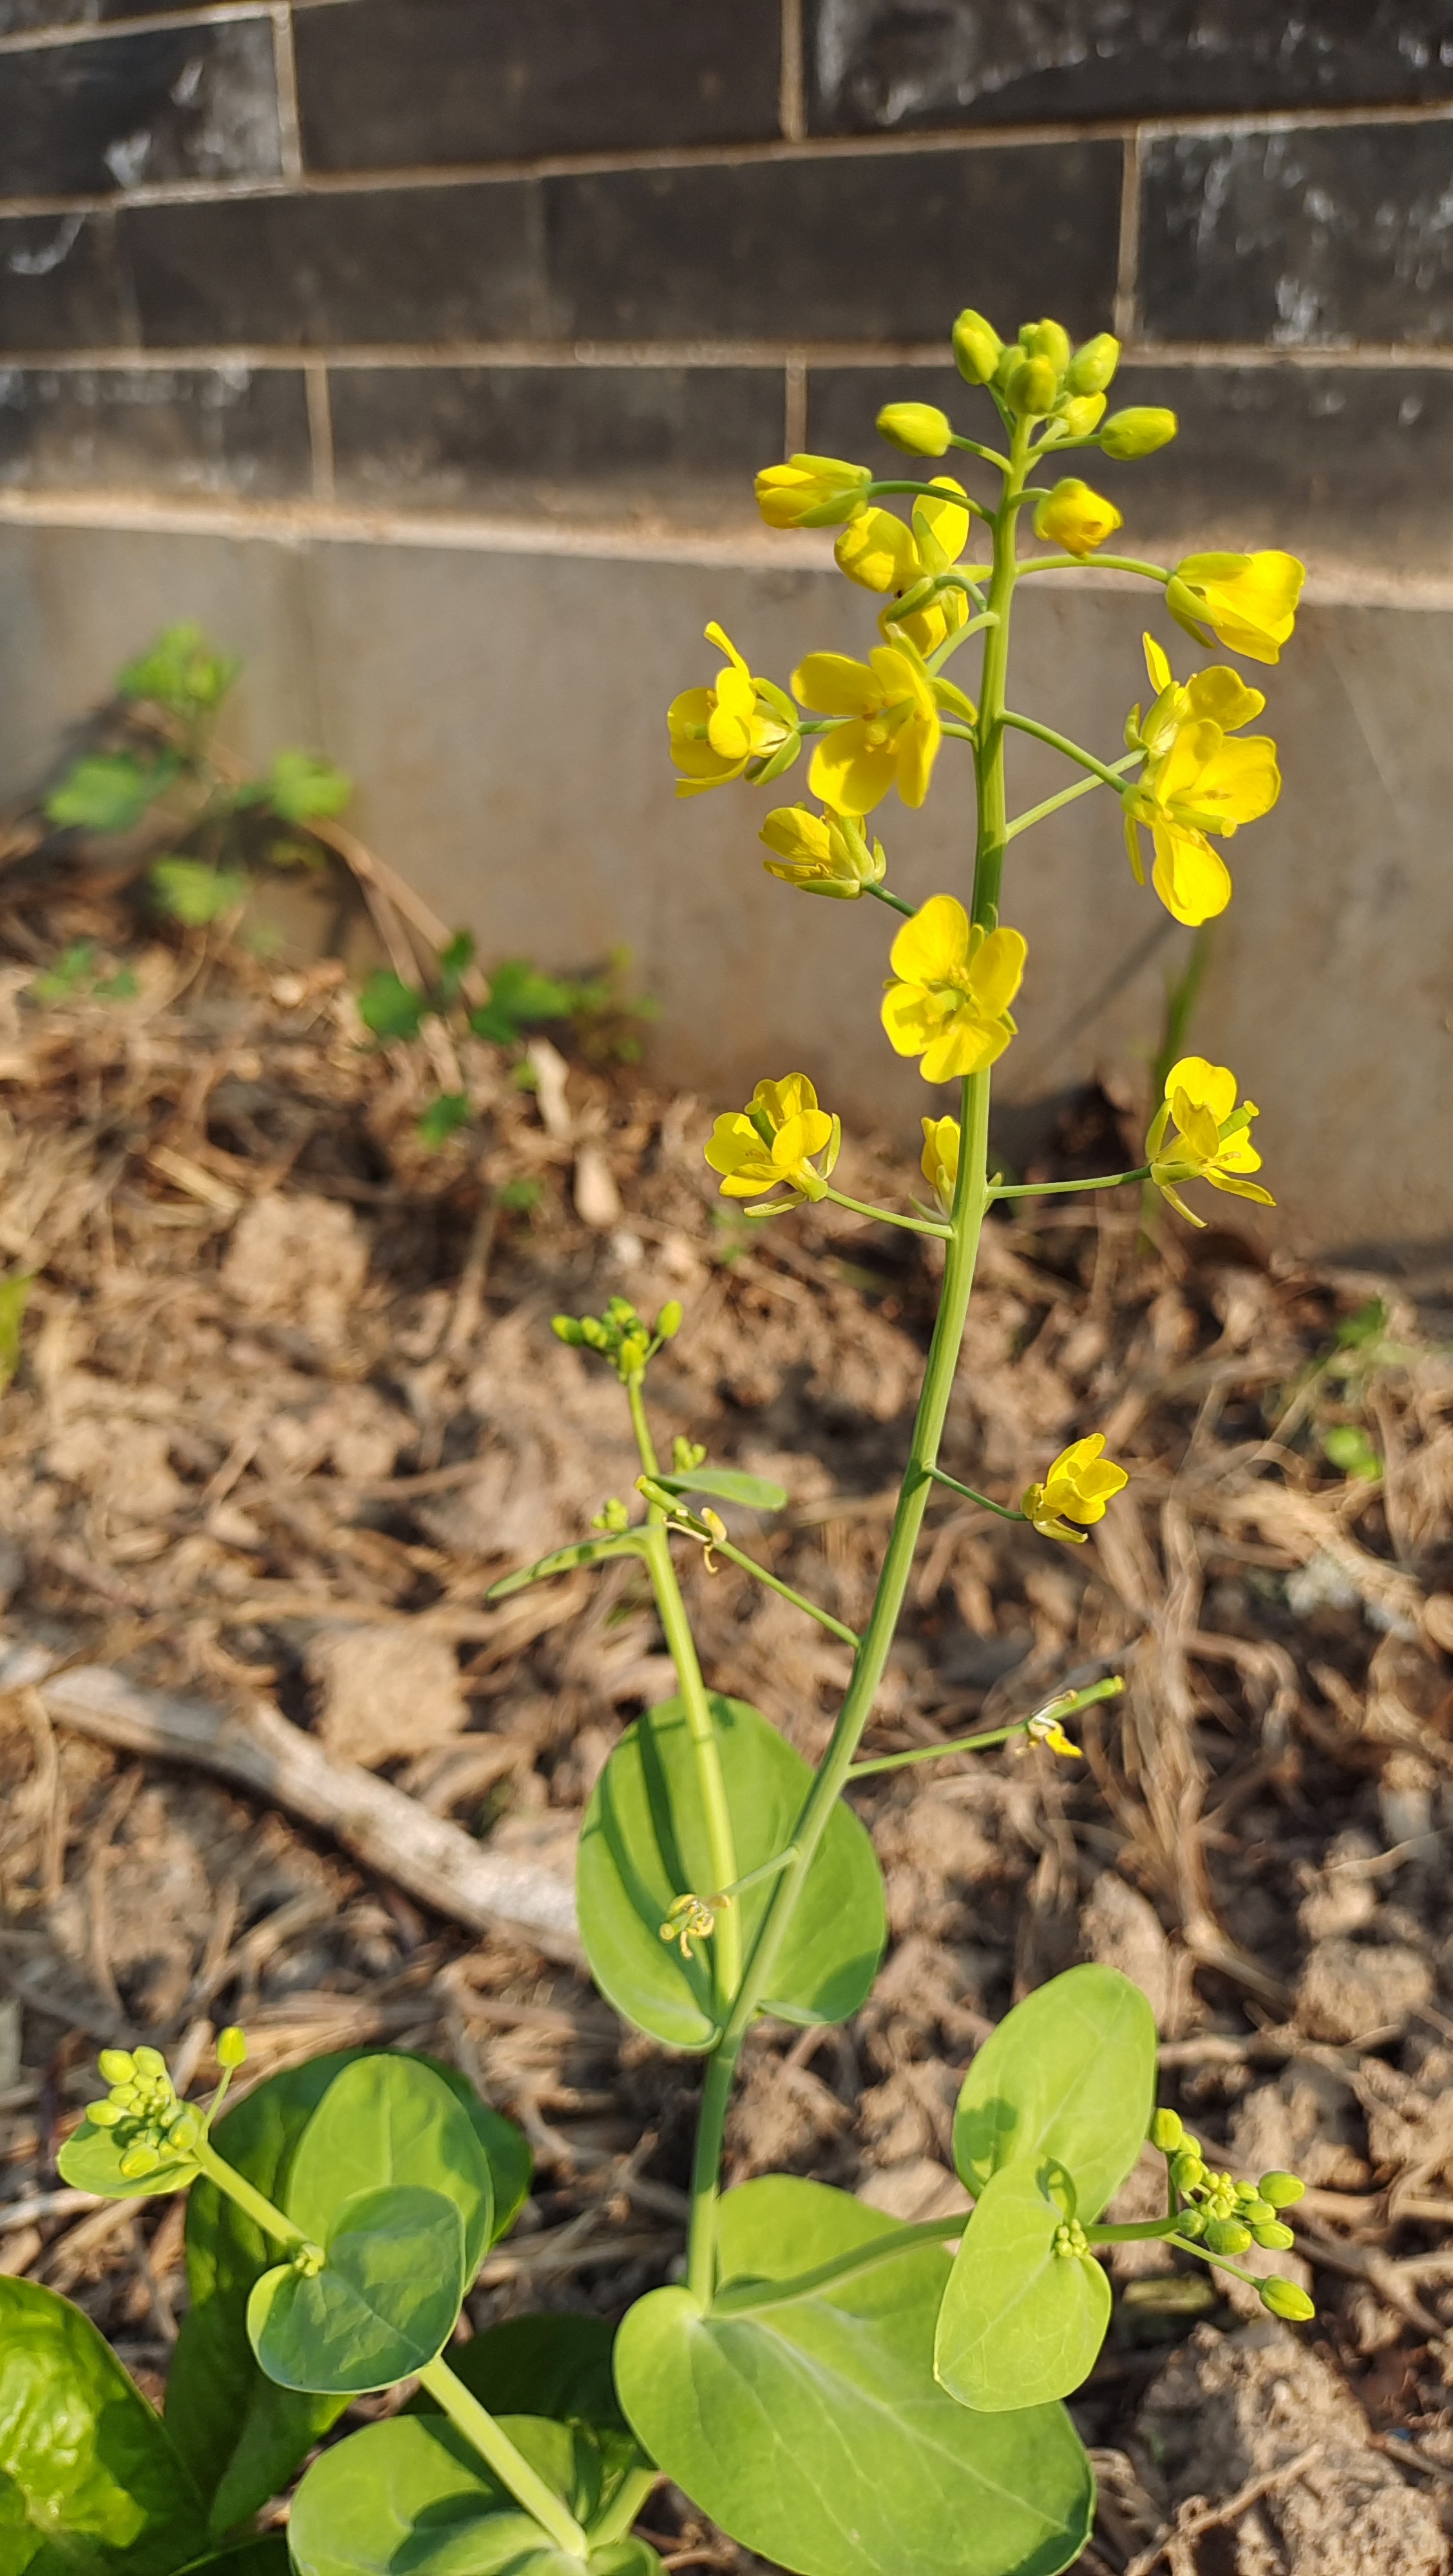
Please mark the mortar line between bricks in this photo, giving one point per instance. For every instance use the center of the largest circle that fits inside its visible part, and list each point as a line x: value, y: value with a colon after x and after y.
x: 285, y: 71
x: 1331, y: 584
x: 319, y: 399
x: 1127, y: 272
x: 1183, y: 357
x: 714, y: 156
x: 46, y: 40
x: 794, y: 406
x: 791, y: 102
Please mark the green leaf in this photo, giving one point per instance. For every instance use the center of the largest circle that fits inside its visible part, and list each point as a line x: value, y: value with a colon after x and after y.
x: 241, y: 2434
x: 390, y: 1007
x: 644, y: 1843
x: 455, y: 959
x: 382, y: 2306
x: 89, y: 2480
x: 412, y: 2494
x: 1020, y: 2324
x: 385, y: 2122
x: 729, y: 1485
x: 108, y: 791
x: 813, y: 2429
x: 14, y: 1298
x: 562, y: 1560
x: 1347, y: 1447
x: 300, y: 785
x: 1068, y: 2077
x: 520, y: 997
x: 70, y: 974
x: 445, y: 1115
x: 194, y: 893
x: 90, y: 2160
x: 180, y: 671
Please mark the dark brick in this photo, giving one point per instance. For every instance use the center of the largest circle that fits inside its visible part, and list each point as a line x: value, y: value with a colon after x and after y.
x: 63, y: 284
x: 1300, y: 238
x: 387, y: 83
x: 884, y: 63
x: 882, y: 247
x: 557, y: 439
x: 199, y: 430
x: 120, y: 111
x: 384, y: 265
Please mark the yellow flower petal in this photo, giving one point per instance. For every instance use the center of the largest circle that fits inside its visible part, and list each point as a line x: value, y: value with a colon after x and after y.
x: 1205, y: 1085
x: 850, y: 773
x: 945, y: 522
x: 1191, y: 879
x: 1157, y: 666
x: 998, y: 969
x: 935, y: 943
x: 877, y: 551
x: 832, y: 684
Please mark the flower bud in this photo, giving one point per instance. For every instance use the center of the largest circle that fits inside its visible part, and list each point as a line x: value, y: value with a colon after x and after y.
x: 1187, y: 2171
x: 1257, y: 2213
x: 231, y: 2046
x: 1270, y: 2234
x: 117, y: 2065
x: 1166, y: 2131
x: 568, y: 1328
x: 977, y: 347
x: 1093, y: 366
x: 182, y: 2134
x: 1191, y: 2222
x: 1138, y: 432
x: 1048, y: 340
x: 138, y: 2161
x: 668, y: 1322
x: 1080, y: 417
x: 812, y: 492
x: 1281, y: 2189
x: 1284, y: 2299
x: 149, y: 2061
x: 1076, y: 518
x: 105, y: 2115
x: 920, y: 429
x: 1031, y: 387
x: 1226, y: 2236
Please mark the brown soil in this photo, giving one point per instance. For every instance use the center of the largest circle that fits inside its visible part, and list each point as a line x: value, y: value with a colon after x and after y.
x: 289, y: 1403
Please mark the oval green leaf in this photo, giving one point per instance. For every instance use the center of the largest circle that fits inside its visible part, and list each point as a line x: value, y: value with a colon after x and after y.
x: 90, y: 2160
x: 382, y: 2306
x: 384, y: 2122
x: 728, y: 1485
x: 1069, y: 2078
x: 644, y: 1844
x: 89, y: 2478
x: 412, y: 2493
x: 1020, y: 2324
x: 813, y: 2429
x: 242, y: 2435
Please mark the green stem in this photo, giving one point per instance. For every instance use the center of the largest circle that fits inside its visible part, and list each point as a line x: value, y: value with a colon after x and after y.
x: 1106, y: 776
x: 509, y: 2465
x: 990, y: 455
x: 629, y: 2498
x: 1131, y: 2231
x: 926, y: 492
x: 880, y: 894
x: 1057, y: 1709
x: 1067, y: 795
x: 993, y: 825
x: 1053, y: 1189
x: 872, y: 1656
x: 754, y: 1877
x: 1216, y: 2262
x: 237, y: 2187
x: 681, y: 1646
x: 1105, y: 563
x: 774, y: 1583
x: 885, y: 1216
x: 843, y: 2267
x: 972, y: 1495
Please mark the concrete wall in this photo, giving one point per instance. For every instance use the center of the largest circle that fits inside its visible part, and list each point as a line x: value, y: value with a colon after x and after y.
x: 424, y: 350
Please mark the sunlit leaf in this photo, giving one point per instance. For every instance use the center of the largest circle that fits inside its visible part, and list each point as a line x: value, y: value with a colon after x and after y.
x: 1020, y: 2323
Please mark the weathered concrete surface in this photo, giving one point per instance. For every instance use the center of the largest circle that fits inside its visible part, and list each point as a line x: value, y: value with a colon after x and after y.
x: 503, y: 714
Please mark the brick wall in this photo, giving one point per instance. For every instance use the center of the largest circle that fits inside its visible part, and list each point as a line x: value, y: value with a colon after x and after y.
x: 595, y: 260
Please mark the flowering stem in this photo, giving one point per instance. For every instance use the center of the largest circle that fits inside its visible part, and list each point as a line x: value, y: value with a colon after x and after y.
x: 774, y: 1583
x: 237, y: 2187
x: 1053, y: 1189
x: 990, y: 455
x: 1072, y: 750
x: 1131, y: 2231
x: 1058, y: 1709
x: 926, y: 492
x: 510, y: 2466
x: 885, y: 1216
x: 1104, y: 563
x: 971, y: 1496
x: 895, y: 901
x: 1067, y: 795
x: 681, y: 1646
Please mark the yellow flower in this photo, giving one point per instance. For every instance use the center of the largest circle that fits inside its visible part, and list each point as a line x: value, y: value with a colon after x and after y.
x: 1213, y: 1142
x: 1076, y: 1488
x: 821, y: 853
x: 716, y: 732
x: 1246, y: 601
x: 812, y: 491
x: 954, y: 982
x: 1197, y: 781
x: 882, y: 552
x: 773, y: 1139
x: 920, y: 429
x: 1076, y: 518
x: 893, y: 732
x: 940, y: 1164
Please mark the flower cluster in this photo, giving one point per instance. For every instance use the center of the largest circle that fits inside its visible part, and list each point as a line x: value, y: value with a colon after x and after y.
x: 1223, y: 2217
x: 1196, y: 780
x: 948, y: 999
x: 1076, y: 1488
x: 620, y: 1335
x: 776, y: 1138
x: 879, y: 552
x: 741, y: 723
x: 152, y: 2124
x: 1199, y: 1134
x: 822, y: 853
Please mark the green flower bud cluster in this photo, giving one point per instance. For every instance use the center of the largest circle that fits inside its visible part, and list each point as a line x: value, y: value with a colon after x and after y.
x: 1070, y: 2238
x: 1225, y: 2218
x: 612, y: 1516
x: 620, y: 1335
x: 153, y: 2125
x: 687, y: 1454
x: 1038, y: 376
